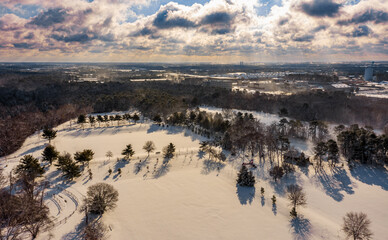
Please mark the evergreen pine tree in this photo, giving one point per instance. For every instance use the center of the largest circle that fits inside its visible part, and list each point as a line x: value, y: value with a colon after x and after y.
x: 71, y: 170
x: 262, y: 191
x: 50, y: 154
x: 245, y: 177
x: 30, y: 166
x: 128, y: 152
x: 84, y: 157
x: 81, y: 120
x: 169, y: 151
x: 273, y: 200
x: 49, y: 134
x: 136, y: 118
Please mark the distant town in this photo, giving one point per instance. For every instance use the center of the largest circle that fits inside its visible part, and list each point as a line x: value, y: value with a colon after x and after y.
x: 365, y: 79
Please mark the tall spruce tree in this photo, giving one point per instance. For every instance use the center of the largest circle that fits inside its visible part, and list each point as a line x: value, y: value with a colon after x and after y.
x: 245, y: 178
x: 84, y: 157
x: 30, y: 166
x: 50, y: 154
x: 49, y: 134
x: 128, y: 152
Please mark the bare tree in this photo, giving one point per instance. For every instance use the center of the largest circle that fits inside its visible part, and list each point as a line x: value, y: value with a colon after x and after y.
x: 36, y: 218
x: 95, y: 231
x: 109, y: 154
x: 356, y: 226
x: 3, y: 179
x: 10, y: 216
x: 149, y: 146
x: 101, y: 197
x: 276, y: 172
x: 296, y: 196
x: 24, y: 213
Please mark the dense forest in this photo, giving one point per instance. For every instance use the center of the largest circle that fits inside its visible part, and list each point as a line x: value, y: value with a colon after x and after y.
x: 28, y: 104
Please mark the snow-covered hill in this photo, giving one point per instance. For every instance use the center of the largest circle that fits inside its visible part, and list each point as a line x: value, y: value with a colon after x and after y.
x: 192, y: 197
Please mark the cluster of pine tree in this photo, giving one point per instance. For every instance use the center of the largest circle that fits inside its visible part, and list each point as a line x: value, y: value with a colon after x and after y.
x: 363, y: 145
x: 82, y: 119
x: 69, y: 167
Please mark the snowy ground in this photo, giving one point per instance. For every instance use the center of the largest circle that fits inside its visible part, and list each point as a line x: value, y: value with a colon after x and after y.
x: 191, y: 197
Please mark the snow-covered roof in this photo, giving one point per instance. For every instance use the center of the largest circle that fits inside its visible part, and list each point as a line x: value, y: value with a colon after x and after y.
x: 340, y: 85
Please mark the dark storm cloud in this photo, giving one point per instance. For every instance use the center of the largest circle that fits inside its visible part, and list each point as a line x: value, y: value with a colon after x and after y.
x: 305, y: 38
x: 221, y: 31
x: 143, y: 32
x: 49, y: 17
x: 81, y: 38
x: 361, y: 31
x: 370, y: 15
x: 320, y: 8
x: 218, y: 23
x: 319, y: 28
x: 217, y: 18
x: 23, y: 45
x: 163, y: 21
x: 30, y: 35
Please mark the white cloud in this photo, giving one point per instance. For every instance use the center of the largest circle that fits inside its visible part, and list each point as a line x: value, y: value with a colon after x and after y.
x: 228, y: 28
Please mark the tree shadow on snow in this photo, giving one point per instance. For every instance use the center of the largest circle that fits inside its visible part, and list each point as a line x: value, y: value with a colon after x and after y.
x: 163, y: 169
x: 200, y: 154
x: 301, y: 228
x: 335, y: 183
x: 172, y: 130
x: 120, y: 164
x: 262, y: 201
x: 210, y: 166
x: 245, y: 194
x: 78, y: 232
x: 280, y: 185
x: 32, y: 150
x: 274, y: 209
x: 155, y: 128
x: 139, y: 165
x: 371, y: 175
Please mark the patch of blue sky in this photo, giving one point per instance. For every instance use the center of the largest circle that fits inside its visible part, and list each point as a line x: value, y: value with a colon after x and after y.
x: 266, y: 5
x: 23, y: 11
x: 154, y: 6
x: 352, y: 2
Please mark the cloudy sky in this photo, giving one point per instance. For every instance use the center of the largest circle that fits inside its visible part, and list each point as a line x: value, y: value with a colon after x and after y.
x: 219, y: 31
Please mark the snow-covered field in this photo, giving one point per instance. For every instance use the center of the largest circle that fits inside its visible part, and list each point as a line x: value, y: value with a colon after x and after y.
x: 192, y: 197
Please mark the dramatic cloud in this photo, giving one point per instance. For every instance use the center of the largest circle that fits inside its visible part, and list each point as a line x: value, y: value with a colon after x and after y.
x: 321, y: 8
x: 219, y: 30
x: 370, y: 15
x: 306, y: 38
x: 50, y: 17
x: 217, y: 18
x: 361, y: 31
x: 163, y: 20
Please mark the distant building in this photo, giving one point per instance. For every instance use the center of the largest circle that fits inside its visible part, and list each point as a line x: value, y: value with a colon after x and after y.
x: 368, y: 76
x: 87, y: 79
x: 220, y: 83
x: 192, y: 81
x: 339, y: 87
